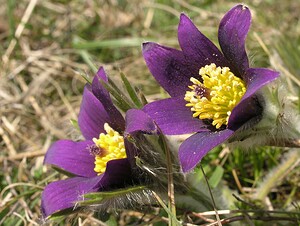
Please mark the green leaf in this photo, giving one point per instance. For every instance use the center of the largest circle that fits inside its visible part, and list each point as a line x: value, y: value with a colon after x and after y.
x: 121, y: 99
x: 216, y: 176
x: 11, y: 5
x: 75, y: 124
x: 99, y: 197
x: 174, y: 221
x: 196, y: 177
x: 88, y: 59
x: 113, y: 85
x: 86, y: 78
x: 142, y: 97
x: 133, y: 95
x: 4, y: 211
x: 62, y: 171
x: 60, y: 215
x: 112, y: 43
x: 111, y: 221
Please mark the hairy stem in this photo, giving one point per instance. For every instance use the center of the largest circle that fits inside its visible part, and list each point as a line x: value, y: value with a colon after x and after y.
x: 171, y: 195
x: 275, y: 176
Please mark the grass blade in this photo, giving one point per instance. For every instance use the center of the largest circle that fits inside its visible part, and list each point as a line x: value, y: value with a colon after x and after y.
x: 113, y: 43
x: 132, y: 93
x: 122, y: 101
x: 98, y: 197
x: 11, y: 19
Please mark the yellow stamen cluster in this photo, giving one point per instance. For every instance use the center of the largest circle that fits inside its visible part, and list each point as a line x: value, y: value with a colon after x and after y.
x: 112, y: 147
x: 221, y: 92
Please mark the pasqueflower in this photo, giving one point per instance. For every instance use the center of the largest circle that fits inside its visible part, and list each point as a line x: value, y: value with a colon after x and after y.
x: 214, y: 94
x: 101, y: 162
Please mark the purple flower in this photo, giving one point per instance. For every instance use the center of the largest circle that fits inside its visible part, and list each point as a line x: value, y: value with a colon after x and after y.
x: 213, y: 93
x: 95, y: 164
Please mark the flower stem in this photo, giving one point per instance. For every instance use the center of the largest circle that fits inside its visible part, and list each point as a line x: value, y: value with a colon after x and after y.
x: 171, y: 196
x: 212, y: 197
x: 275, y: 176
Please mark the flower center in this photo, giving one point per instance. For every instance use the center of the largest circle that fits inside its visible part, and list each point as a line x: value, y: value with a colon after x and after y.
x: 216, y: 96
x: 108, y: 147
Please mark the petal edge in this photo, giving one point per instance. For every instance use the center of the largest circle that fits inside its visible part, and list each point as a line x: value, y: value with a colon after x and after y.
x: 169, y: 67
x: 173, y: 117
x: 193, y: 149
x: 233, y: 30
x: 198, y: 49
x: 71, y: 156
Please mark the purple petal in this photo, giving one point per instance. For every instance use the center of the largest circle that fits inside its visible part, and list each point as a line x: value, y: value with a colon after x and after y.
x: 92, y: 115
x: 117, y: 174
x: 63, y: 194
x: 248, y: 111
x: 249, y: 106
x: 198, y: 49
x: 137, y: 120
x: 71, y: 156
x: 101, y: 74
x: 169, y: 67
x: 173, y: 117
x: 193, y: 149
x: 256, y: 78
x: 131, y: 152
x: 116, y: 120
x: 233, y: 30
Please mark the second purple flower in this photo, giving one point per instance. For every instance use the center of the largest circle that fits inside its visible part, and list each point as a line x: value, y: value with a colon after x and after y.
x: 104, y: 161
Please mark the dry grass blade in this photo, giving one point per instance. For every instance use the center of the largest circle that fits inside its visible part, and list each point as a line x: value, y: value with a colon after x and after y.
x: 19, y: 30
